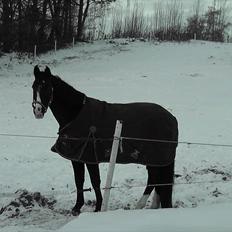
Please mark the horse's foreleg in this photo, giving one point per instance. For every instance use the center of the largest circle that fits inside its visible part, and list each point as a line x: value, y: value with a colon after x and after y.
x: 79, y: 175
x: 94, y: 174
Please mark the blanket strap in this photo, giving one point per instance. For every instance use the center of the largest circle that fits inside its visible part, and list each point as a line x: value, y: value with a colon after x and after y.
x: 93, y: 130
x: 91, y: 137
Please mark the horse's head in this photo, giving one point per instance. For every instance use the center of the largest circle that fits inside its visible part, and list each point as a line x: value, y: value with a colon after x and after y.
x: 42, y: 91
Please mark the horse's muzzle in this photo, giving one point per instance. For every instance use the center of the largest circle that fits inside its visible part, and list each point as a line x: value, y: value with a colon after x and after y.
x: 39, y: 116
x: 38, y: 110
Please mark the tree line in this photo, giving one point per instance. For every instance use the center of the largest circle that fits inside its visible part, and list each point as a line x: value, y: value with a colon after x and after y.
x: 26, y: 23
x: 212, y: 24
x: 168, y: 21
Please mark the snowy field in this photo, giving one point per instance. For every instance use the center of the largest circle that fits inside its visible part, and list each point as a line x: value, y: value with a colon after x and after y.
x: 193, y: 80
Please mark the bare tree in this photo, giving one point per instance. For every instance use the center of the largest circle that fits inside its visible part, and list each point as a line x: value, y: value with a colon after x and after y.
x: 7, y: 23
x: 84, y: 7
x: 196, y: 23
x: 212, y: 24
x: 134, y: 22
x: 117, y: 23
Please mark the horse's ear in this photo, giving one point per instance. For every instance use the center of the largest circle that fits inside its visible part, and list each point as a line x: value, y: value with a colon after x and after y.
x: 48, y: 71
x: 36, y: 71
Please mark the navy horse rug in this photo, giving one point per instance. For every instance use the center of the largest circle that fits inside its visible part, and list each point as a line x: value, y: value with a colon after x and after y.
x: 89, y: 137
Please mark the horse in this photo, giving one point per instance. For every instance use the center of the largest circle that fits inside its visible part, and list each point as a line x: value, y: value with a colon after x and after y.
x: 68, y: 104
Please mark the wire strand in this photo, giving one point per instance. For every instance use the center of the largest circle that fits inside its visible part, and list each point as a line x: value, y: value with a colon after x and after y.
x: 121, y: 138
x: 177, y: 142
x: 2, y: 195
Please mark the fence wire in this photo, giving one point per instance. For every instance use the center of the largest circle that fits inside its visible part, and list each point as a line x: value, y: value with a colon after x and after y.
x: 120, y: 138
x: 55, y: 192
x: 2, y: 195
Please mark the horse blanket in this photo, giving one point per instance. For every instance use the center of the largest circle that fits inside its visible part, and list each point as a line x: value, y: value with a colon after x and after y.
x: 89, y: 137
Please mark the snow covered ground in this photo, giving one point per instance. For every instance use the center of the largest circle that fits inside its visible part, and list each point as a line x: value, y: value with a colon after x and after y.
x: 192, y: 80
x: 174, y: 220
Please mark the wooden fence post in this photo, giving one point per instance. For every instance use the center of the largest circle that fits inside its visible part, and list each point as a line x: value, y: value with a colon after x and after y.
x: 113, y: 157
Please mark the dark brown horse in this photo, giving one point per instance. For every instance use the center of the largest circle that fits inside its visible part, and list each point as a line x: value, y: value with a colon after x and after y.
x: 75, y: 111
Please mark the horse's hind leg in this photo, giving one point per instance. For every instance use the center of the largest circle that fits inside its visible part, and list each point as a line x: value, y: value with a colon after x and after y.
x: 149, y: 188
x: 94, y: 174
x: 165, y: 175
x: 155, y: 201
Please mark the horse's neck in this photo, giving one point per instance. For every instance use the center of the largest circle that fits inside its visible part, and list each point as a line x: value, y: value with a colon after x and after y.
x: 67, y: 102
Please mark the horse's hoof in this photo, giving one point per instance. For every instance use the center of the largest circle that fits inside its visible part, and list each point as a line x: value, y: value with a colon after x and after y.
x: 97, y: 208
x: 76, y: 212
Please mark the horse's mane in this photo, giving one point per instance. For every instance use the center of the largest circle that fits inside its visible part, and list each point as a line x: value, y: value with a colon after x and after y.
x: 69, y: 98
x: 65, y: 89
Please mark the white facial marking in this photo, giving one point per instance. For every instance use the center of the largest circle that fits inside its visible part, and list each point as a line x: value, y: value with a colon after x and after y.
x: 155, y: 201
x: 142, y: 202
x: 38, y: 107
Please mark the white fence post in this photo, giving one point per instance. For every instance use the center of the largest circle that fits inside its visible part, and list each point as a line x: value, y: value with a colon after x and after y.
x: 195, y: 36
x: 113, y: 157
x: 55, y: 45
x: 73, y: 42
x: 35, y: 51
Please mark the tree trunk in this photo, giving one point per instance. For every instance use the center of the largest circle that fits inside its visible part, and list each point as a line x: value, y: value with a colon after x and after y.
x: 20, y: 26
x: 55, y: 9
x: 65, y: 20
x: 6, y: 26
x: 82, y: 15
x: 80, y: 18
x: 70, y: 21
